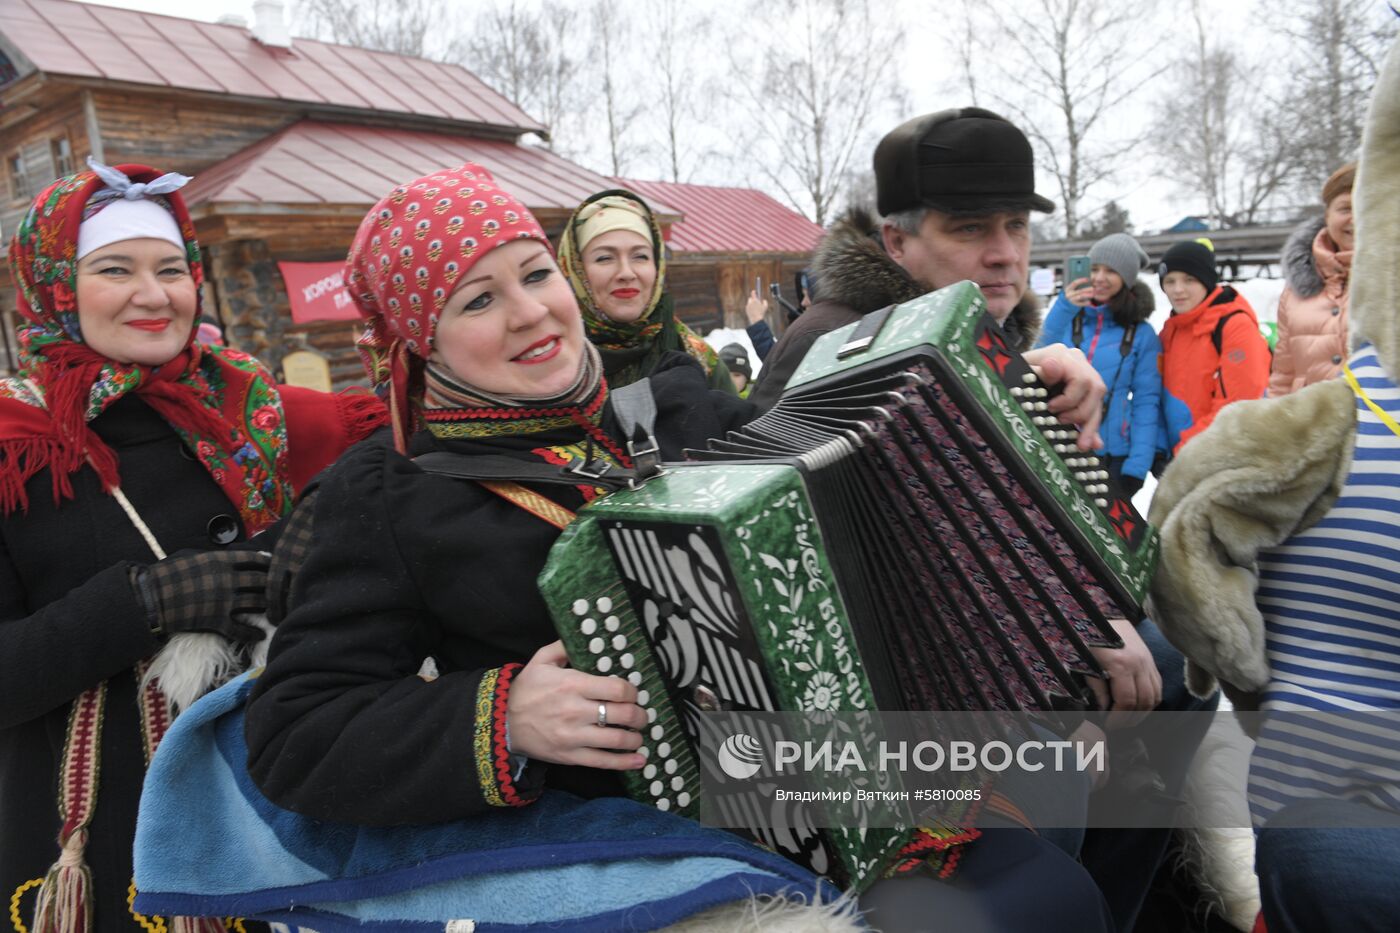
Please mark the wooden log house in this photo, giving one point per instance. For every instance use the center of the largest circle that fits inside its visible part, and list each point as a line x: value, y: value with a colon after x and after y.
x: 291, y: 140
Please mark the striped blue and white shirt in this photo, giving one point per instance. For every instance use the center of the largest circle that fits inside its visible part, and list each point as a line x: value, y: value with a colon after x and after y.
x: 1329, y: 596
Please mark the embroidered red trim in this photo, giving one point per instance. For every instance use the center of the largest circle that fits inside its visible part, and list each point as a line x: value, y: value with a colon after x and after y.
x: 925, y: 844
x: 499, y: 754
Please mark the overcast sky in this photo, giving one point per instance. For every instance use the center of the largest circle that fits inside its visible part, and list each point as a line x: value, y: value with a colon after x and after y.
x: 930, y: 76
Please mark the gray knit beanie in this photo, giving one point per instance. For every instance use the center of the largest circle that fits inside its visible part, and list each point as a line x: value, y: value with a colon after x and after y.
x: 1120, y: 253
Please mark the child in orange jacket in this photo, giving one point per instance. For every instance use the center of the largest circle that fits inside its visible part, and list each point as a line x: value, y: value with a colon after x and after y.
x: 1212, y: 351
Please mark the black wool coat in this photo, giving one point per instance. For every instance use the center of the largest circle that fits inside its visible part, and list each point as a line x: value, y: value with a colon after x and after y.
x: 403, y: 566
x: 70, y: 619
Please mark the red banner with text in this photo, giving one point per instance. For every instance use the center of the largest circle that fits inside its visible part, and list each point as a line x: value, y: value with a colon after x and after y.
x: 317, y: 291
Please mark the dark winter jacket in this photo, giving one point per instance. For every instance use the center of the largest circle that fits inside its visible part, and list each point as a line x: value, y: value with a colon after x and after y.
x: 1134, y: 380
x: 70, y: 619
x: 406, y: 565
x: 857, y: 276
x: 1312, y: 311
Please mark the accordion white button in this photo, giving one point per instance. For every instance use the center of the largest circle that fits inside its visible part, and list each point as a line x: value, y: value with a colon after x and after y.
x: 657, y: 732
x: 649, y: 771
x: 597, y: 645
x: 663, y: 804
x: 604, y: 604
x: 1040, y: 393
x: 664, y: 749
x: 1101, y: 503
x: 619, y: 642
x: 1041, y: 406
x: 626, y: 660
x: 1083, y: 477
x: 682, y: 799
x: 588, y: 626
x: 677, y: 783
x: 1017, y: 391
x: 612, y: 623
x: 604, y: 664
x: 651, y: 714
x: 671, y: 766
x: 643, y: 697
x: 644, y: 752
x: 1028, y: 377
x: 657, y: 788
x: 635, y: 678
x: 580, y: 606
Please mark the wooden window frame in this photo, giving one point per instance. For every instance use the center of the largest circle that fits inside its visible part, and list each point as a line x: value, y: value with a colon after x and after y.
x: 16, y: 179
x: 54, y: 154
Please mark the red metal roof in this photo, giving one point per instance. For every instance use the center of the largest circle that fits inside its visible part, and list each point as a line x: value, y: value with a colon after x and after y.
x: 728, y: 219
x: 313, y: 162
x: 62, y: 37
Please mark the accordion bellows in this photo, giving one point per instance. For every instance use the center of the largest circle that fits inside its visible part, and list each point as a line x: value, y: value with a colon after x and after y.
x: 907, y: 529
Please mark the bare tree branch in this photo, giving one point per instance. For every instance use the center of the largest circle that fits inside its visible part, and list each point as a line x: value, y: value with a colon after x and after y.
x: 1053, y: 78
x: 809, y: 115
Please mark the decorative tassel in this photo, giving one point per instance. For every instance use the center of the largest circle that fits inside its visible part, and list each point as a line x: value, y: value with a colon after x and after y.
x: 197, y: 925
x: 65, y: 897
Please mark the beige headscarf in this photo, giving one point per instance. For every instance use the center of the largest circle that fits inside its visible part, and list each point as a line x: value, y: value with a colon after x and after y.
x: 608, y: 214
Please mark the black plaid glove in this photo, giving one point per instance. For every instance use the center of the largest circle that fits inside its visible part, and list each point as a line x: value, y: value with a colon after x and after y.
x: 205, y: 591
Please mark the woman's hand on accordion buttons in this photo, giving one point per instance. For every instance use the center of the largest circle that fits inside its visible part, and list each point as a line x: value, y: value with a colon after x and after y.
x: 553, y: 715
x: 1081, y: 400
x: 1134, y: 685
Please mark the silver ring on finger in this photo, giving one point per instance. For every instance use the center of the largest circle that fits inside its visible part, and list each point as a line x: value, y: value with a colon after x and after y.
x: 603, y: 715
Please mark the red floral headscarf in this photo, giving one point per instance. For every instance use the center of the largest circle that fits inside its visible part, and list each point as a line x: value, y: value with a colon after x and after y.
x: 411, y: 249
x: 221, y: 402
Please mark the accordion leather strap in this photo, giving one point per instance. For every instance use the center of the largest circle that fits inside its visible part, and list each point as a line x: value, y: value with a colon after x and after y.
x: 537, y: 505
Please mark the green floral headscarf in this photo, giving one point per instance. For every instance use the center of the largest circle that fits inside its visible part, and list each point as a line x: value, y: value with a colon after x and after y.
x: 631, y: 351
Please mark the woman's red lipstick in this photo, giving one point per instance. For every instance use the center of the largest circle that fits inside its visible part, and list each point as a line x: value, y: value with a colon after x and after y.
x: 551, y: 353
x: 154, y: 325
x: 626, y: 293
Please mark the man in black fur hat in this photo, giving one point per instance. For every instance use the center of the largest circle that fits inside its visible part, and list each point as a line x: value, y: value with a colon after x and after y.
x: 955, y: 189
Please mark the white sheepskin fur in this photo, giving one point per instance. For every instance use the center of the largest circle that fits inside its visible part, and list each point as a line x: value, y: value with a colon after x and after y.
x: 193, y: 663
x: 775, y: 915
x: 1221, y: 855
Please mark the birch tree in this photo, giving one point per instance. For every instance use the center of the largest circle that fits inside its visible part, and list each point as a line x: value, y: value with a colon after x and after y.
x: 826, y: 70
x: 1061, y: 70
x: 1220, y: 136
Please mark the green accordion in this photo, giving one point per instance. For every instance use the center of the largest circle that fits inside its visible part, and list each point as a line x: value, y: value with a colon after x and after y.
x: 907, y: 529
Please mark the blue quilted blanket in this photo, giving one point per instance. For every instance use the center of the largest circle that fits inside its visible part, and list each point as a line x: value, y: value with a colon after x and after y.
x: 208, y: 843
